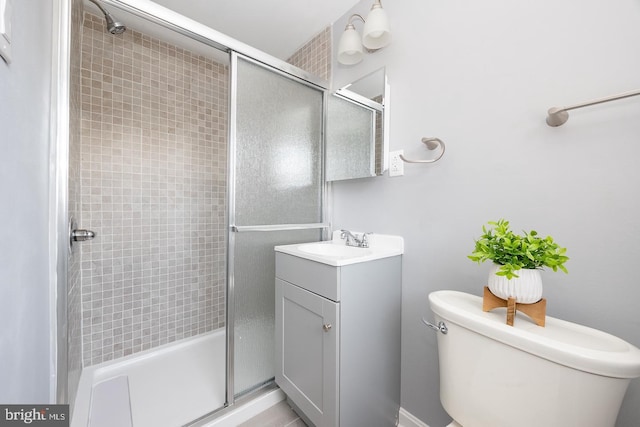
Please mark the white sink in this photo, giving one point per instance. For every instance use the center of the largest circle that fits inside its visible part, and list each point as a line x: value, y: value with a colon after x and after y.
x: 333, y: 250
x: 336, y: 253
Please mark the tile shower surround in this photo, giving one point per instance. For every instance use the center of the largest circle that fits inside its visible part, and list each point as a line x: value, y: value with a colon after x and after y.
x: 153, y: 183
x: 315, y: 56
x: 151, y: 277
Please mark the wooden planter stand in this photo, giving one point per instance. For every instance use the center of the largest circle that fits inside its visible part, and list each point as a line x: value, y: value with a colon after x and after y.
x: 536, y: 311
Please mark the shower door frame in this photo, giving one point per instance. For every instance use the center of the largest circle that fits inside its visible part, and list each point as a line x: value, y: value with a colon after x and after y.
x: 58, y: 198
x: 59, y: 192
x: 232, y: 228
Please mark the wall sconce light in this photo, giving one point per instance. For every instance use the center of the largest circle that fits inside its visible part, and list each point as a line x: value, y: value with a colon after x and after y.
x: 375, y: 35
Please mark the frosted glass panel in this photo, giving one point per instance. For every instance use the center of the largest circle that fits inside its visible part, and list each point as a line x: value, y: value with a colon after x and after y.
x: 278, y: 181
x: 350, y: 140
x: 254, y: 287
x: 278, y: 149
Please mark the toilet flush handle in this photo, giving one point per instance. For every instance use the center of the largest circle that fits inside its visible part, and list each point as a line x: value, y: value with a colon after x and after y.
x: 441, y: 327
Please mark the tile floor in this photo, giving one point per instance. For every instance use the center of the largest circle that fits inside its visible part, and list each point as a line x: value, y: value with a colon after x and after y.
x: 280, y: 415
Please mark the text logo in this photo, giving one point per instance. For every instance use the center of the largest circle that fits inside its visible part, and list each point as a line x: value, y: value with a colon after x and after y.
x: 34, y: 415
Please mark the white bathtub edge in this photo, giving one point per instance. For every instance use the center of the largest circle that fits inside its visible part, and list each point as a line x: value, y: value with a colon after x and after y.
x: 110, y: 365
x: 80, y: 415
x: 93, y: 374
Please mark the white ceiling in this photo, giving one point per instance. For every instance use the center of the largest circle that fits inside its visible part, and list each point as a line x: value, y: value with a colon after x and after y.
x: 278, y: 27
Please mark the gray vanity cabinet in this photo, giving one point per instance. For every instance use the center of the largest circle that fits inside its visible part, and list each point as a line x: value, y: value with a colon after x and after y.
x: 308, y: 347
x: 338, y: 340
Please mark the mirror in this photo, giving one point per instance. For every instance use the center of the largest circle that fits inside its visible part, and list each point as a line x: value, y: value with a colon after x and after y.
x: 356, y: 132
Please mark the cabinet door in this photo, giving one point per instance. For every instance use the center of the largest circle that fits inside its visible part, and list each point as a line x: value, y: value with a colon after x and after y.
x: 307, y: 331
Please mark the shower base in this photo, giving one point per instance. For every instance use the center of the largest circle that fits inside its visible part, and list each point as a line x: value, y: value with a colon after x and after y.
x: 166, y: 386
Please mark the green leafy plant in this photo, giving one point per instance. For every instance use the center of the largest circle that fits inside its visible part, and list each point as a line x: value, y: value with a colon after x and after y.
x: 514, y: 252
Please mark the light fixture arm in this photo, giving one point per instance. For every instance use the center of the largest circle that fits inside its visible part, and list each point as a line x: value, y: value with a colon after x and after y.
x: 557, y: 116
x: 376, y: 5
x: 350, y: 25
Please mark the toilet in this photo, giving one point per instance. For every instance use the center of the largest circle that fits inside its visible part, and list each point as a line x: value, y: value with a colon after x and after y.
x: 495, y: 375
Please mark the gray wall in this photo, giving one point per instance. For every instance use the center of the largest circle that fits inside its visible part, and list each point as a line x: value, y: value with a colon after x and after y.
x: 481, y: 75
x: 24, y: 191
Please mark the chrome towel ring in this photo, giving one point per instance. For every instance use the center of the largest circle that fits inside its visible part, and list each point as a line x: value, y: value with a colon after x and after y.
x: 432, y: 144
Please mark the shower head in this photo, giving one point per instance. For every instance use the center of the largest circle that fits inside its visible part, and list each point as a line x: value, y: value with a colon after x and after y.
x: 113, y: 26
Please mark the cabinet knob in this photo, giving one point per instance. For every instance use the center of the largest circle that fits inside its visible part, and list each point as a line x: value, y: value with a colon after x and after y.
x: 326, y: 327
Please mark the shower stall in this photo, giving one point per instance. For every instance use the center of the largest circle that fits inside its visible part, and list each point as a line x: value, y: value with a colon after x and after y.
x: 190, y: 156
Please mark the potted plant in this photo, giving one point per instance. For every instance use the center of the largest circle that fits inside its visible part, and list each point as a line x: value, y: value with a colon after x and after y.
x: 517, y: 260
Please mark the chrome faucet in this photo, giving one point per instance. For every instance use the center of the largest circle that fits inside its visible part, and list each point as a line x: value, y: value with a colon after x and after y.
x: 354, y: 240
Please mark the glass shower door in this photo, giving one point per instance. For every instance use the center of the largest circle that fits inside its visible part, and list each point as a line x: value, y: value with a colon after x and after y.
x: 276, y: 197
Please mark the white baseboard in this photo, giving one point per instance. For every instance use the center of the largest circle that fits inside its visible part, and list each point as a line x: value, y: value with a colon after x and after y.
x: 408, y: 420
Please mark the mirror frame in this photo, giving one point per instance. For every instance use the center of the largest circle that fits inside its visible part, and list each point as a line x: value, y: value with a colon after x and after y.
x: 382, y: 147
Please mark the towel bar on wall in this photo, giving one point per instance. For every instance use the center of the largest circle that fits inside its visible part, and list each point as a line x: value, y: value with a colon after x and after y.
x: 432, y: 144
x: 558, y: 116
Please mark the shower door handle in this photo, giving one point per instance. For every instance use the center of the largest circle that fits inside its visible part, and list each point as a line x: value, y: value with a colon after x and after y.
x: 82, y: 235
x: 277, y: 227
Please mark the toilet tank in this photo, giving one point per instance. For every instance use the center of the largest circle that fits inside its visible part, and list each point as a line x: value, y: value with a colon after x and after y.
x: 495, y: 375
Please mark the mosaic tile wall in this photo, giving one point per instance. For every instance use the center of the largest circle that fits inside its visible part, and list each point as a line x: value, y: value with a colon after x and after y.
x: 315, y: 56
x: 154, y: 127
x: 379, y: 137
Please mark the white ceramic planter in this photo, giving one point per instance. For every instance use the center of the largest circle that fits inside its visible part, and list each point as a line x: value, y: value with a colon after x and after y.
x: 526, y: 289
